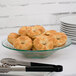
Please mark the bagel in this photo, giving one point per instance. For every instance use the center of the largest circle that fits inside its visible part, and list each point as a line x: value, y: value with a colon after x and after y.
x: 34, y: 31
x: 11, y: 37
x: 23, y: 43
x: 60, y: 39
x: 22, y: 30
x: 43, y: 42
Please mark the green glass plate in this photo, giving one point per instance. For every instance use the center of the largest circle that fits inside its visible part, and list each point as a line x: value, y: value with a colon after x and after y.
x: 37, y: 53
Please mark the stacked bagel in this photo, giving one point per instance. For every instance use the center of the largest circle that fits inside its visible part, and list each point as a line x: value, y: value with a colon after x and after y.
x: 36, y: 38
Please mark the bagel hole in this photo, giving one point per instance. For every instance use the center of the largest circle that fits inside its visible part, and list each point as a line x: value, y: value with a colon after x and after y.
x: 44, y: 43
x: 58, y: 38
x: 22, y: 43
x: 47, y: 34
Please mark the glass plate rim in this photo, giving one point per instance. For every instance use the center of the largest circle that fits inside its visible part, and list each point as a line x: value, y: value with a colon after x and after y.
x: 38, y: 50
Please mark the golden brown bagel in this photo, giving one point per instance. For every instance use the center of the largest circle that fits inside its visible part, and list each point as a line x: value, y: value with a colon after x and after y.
x: 34, y: 31
x: 22, y: 30
x: 12, y: 37
x: 43, y: 43
x: 60, y: 39
x: 23, y: 43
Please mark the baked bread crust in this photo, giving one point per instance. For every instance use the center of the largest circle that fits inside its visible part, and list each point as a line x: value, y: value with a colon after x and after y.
x: 22, y: 30
x: 60, y: 39
x: 43, y: 43
x: 11, y: 37
x: 34, y: 31
x: 23, y: 43
x: 48, y: 33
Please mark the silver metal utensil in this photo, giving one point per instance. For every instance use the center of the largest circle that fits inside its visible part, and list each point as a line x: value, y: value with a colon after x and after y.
x: 9, y: 64
x: 14, y: 62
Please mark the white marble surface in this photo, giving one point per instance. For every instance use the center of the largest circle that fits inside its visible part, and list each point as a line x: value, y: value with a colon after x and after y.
x: 65, y: 57
x: 26, y: 12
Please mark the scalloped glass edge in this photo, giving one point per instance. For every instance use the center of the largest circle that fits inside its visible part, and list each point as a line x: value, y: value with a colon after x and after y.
x: 68, y: 43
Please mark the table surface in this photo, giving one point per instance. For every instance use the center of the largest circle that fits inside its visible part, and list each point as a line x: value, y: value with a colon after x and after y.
x: 65, y: 57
